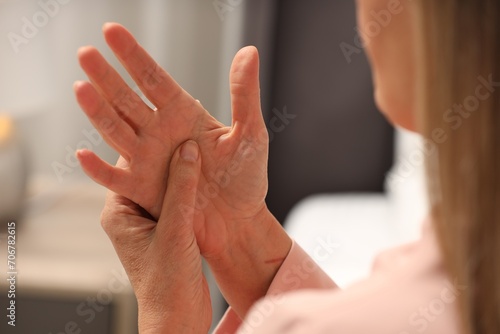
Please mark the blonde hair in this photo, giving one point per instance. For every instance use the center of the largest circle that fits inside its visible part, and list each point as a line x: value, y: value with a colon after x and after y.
x: 460, y: 111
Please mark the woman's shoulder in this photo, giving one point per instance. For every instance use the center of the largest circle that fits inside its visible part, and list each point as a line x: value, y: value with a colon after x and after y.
x: 408, y: 291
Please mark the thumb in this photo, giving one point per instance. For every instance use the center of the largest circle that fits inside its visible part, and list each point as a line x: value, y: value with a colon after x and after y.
x: 180, y: 199
x: 245, y: 91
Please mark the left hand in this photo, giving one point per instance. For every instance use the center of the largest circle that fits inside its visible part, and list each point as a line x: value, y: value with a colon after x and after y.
x: 146, y: 139
x: 163, y: 260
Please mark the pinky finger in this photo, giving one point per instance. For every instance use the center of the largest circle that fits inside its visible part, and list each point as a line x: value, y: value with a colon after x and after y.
x: 111, y: 177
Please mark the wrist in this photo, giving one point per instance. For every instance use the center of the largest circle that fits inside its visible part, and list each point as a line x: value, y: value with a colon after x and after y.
x: 260, y: 241
x: 255, y: 251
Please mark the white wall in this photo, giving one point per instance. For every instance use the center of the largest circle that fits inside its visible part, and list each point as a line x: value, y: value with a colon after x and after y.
x: 187, y: 37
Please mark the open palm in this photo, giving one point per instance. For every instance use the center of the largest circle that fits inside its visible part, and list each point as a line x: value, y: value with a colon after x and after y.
x: 234, y: 159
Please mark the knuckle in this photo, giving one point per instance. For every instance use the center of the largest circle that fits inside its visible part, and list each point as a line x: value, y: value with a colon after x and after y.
x: 124, y: 102
x: 107, y: 222
x: 107, y: 126
x: 188, y: 181
x: 152, y: 77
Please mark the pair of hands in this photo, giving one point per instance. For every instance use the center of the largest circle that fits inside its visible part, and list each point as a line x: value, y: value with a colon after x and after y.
x: 185, y: 186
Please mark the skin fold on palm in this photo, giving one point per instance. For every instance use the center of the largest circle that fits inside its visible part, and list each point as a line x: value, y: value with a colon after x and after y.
x: 233, y: 182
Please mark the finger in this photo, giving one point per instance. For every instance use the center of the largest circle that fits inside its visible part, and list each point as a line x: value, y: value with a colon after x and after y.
x: 245, y: 91
x: 110, y: 84
x: 113, y: 178
x: 100, y: 171
x: 158, y: 86
x: 114, y: 130
x: 179, y: 204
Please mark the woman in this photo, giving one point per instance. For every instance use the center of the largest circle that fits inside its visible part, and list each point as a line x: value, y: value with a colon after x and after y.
x: 186, y: 186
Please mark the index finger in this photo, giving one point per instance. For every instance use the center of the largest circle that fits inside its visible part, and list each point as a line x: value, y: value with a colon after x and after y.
x: 158, y: 86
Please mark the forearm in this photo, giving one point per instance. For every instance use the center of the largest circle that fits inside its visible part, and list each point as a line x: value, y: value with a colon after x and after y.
x: 248, y: 267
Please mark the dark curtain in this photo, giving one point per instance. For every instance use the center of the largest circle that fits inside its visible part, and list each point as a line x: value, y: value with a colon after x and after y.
x: 327, y: 135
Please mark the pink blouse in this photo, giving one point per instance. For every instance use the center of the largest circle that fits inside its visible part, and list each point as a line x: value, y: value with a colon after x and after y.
x: 407, y: 292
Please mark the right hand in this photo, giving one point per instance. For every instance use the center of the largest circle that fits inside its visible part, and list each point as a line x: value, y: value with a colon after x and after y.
x: 162, y: 259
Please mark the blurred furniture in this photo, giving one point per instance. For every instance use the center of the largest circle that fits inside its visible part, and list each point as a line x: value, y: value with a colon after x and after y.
x: 67, y: 269
x: 344, y: 232
x: 13, y: 169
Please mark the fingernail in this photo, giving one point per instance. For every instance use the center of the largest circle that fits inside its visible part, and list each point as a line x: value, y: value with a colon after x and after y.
x: 189, y: 151
x: 106, y: 25
x: 82, y: 153
x: 78, y: 84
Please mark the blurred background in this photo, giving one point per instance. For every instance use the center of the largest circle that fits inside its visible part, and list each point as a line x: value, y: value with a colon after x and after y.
x: 337, y: 168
